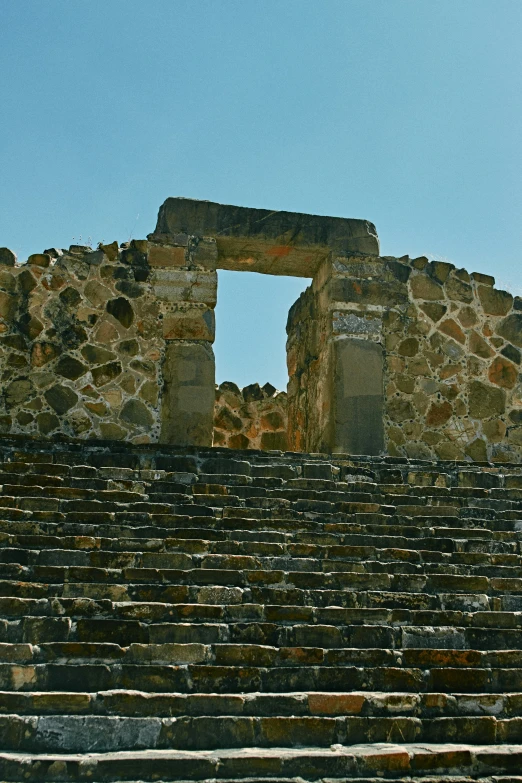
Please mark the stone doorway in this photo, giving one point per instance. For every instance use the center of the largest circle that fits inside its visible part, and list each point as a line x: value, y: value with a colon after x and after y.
x: 211, y: 237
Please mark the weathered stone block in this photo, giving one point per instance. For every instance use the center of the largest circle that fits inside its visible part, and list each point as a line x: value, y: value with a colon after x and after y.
x: 69, y: 367
x: 136, y: 412
x: 7, y: 257
x: 479, y: 346
x: 167, y: 256
x: 180, y: 285
x: 423, y: 287
x: 358, y: 397
x: 39, y: 259
x: 189, y: 323
x: 208, y: 219
x: 187, y: 404
x: 511, y: 329
x: 121, y: 309
x: 61, y: 398
x: 452, y: 329
x: 371, y: 292
x: 8, y: 305
x: 97, y: 293
x: 485, y: 401
x: 458, y: 291
x: 435, y: 311
x: 478, y: 277
x: 18, y: 391
x: 494, y: 302
x: 503, y: 373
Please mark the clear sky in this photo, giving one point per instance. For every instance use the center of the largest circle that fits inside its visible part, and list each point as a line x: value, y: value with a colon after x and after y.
x: 404, y: 112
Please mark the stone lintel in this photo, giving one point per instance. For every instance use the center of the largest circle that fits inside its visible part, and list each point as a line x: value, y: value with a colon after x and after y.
x: 266, y: 241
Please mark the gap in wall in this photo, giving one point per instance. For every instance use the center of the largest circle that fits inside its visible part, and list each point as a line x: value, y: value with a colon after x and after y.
x: 251, y: 316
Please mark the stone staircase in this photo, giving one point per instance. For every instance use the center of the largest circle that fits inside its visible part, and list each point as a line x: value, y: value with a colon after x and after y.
x: 176, y: 615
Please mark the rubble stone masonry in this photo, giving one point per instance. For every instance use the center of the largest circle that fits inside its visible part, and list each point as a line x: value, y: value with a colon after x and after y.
x: 395, y: 356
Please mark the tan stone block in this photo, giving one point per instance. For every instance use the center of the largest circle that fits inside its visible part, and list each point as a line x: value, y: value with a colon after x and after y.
x: 167, y: 256
x: 435, y: 359
x: 438, y: 414
x: 192, y: 324
x: 423, y: 287
x: 503, y: 373
x: 421, y: 402
x: 396, y: 364
x: 180, y: 285
x: 494, y: 430
x: 478, y: 277
x: 431, y: 437
x: 106, y: 333
x: 460, y: 407
x: 112, y: 431
x: 477, y: 450
x: 39, y: 259
x: 336, y: 703
x: 113, y: 397
x: 409, y: 347
x: 448, y: 450
x: 485, y: 401
x: 396, y: 435
x: 467, y: 316
x: 494, y: 302
x: 7, y: 306
x: 452, y: 329
x: 459, y: 291
x: 419, y: 366
x: 412, y: 430
x: 149, y: 392
x: 97, y: 293
x: 205, y: 253
x: 479, y: 346
x: 110, y: 250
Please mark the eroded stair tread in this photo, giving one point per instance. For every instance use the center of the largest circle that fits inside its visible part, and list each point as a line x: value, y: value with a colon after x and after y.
x: 281, y: 609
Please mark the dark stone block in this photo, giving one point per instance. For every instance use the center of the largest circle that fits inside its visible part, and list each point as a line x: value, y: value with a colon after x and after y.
x: 121, y: 309
x: 61, y: 398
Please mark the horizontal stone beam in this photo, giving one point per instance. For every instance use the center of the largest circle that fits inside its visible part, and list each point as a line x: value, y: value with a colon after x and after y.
x: 262, y: 240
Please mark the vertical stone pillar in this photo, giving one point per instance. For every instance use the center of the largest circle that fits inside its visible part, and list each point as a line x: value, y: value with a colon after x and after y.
x: 185, y: 281
x: 359, y: 292
x: 358, y: 397
x: 336, y: 357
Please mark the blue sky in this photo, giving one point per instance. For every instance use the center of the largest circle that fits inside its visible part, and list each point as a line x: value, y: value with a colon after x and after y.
x: 405, y: 112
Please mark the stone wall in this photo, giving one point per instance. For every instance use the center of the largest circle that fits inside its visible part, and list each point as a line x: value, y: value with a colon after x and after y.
x: 250, y: 418
x: 309, y: 361
x: 452, y: 356
x: 387, y: 355
x: 86, y: 339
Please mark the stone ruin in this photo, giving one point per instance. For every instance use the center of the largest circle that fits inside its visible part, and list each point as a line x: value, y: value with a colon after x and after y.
x: 255, y: 611
x: 395, y: 356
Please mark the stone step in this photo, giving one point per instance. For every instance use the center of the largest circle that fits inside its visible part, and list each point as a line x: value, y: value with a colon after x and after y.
x: 300, y: 704
x: 266, y: 516
x: 288, y: 603
x: 30, y: 549
x: 339, y: 763
x: 104, y: 733
x: 301, y: 676
x: 429, y: 542
x: 236, y: 654
x: 161, y: 623
x: 246, y: 571
x: 217, y: 588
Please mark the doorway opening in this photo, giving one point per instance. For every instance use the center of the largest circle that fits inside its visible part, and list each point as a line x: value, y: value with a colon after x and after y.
x: 250, y: 350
